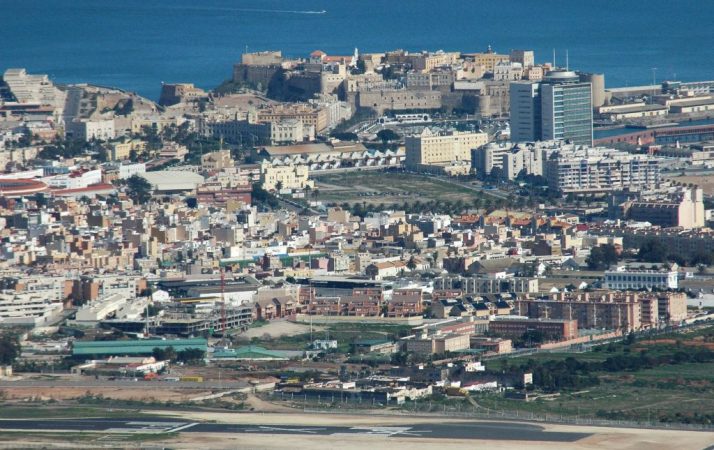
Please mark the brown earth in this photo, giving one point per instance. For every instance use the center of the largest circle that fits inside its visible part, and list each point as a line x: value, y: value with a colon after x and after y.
x: 118, y: 393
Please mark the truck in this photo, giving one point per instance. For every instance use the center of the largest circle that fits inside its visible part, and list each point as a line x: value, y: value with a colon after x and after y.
x: 194, y: 379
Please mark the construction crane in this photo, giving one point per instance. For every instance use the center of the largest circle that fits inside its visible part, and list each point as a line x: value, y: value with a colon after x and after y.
x: 223, y: 301
x: 224, y: 341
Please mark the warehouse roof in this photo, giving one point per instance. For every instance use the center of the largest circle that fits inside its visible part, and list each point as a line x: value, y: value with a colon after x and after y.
x: 250, y: 352
x: 173, y: 180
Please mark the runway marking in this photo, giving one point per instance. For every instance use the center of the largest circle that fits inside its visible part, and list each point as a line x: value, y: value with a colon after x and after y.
x: 294, y: 430
x: 189, y: 425
x: 391, y: 431
x: 150, y: 427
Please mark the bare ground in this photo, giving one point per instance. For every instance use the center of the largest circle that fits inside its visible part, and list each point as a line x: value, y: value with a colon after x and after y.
x: 277, y: 328
x: 117, y: 393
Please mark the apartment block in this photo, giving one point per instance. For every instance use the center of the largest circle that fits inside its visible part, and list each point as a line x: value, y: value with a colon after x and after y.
x: 515, y: 327
x: 432, y: 148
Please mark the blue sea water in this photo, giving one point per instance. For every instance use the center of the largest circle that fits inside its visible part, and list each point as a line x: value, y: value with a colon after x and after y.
x: 137, y: 44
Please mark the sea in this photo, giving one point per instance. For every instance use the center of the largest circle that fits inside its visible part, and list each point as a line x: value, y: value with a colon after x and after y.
x: 137, y: 44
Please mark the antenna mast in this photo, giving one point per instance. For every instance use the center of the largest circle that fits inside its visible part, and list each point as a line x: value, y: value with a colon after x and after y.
x: 567, y: 60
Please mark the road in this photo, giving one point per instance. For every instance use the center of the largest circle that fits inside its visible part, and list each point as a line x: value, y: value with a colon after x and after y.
x: 500, y: 431
x: 88, y: 382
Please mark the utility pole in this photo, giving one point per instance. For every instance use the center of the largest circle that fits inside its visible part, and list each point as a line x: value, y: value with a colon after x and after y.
x: 654, y: 82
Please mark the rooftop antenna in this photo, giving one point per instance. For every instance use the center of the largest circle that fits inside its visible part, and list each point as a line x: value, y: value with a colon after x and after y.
x: 567, y: 60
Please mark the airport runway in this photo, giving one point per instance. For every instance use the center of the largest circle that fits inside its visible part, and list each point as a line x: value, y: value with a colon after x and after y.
x: 460, y: 430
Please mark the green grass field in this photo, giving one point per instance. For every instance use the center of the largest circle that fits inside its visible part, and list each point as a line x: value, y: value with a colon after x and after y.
x: 344, y: 333
x: 621, y: 397
x: 375, y: 187
x: 671, y: 392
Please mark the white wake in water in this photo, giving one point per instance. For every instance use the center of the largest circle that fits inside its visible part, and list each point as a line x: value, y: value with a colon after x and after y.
x: 278, y: 11
x: 258, y: 10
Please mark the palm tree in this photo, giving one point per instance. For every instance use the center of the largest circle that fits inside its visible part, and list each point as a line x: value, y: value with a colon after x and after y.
x: 411, y: 264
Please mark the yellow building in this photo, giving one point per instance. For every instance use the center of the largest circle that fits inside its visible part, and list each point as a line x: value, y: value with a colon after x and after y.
x: 489, y: 59
x: 122, y: 150
x: 292, y: 177
x: 218, y: 160
x: 309, y: 115
x: 430, y: 148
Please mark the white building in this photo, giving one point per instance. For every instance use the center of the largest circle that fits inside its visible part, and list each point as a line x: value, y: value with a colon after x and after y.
x: 28, y: 309
x: 290, y: 177
x: 45, y: 286
x: 512, y: 158
x: 580, y: 169
x: 289, y: 131
x: 32, y: 88
x: 507, y: 71
x: 631, y: 278
x: 102, y: 130
x: 114, y: 306
x: 129, y: 170
x: 75, y: 180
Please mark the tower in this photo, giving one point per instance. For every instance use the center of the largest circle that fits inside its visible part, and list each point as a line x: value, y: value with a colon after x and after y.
x: 558, y: 108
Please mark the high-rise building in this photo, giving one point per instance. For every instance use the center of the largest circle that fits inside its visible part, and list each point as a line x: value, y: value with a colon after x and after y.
x: 566, y: 108
x: 525, y: 112
x: 557, y: 108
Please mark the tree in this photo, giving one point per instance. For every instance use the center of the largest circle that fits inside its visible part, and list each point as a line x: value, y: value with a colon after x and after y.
x: 602, y: 257
x: 344, y: 136
x: 9, y: 348
x: 496, y: 174
x: 138, y: 189
x: 102, y: 155
x: 190, y: 355
x: 411, y: 264
x: 260, y: 195
x: 652, y: 250
x: 701, y: 258
x: 532, y: 337
x: 387, y: 135
x: 164, y: 354
x: 279, y: 186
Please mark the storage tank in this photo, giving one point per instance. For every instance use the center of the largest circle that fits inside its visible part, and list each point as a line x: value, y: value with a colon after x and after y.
x: 598, y: 82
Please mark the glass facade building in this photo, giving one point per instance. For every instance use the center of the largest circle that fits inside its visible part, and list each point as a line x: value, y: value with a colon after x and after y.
x: 557, y: 108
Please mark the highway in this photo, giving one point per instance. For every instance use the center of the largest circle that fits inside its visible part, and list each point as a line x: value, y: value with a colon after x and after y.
x: 502, y: 431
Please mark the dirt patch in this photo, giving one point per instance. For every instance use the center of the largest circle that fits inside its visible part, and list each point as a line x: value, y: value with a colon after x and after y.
x: 706, y: 182
x: 278, y: 328
x: 116, y: 393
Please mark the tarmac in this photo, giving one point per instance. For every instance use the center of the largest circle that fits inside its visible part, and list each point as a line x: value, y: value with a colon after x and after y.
x: 463, y: 430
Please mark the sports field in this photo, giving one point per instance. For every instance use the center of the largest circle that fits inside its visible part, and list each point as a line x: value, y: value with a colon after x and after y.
x: 375, y: 187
